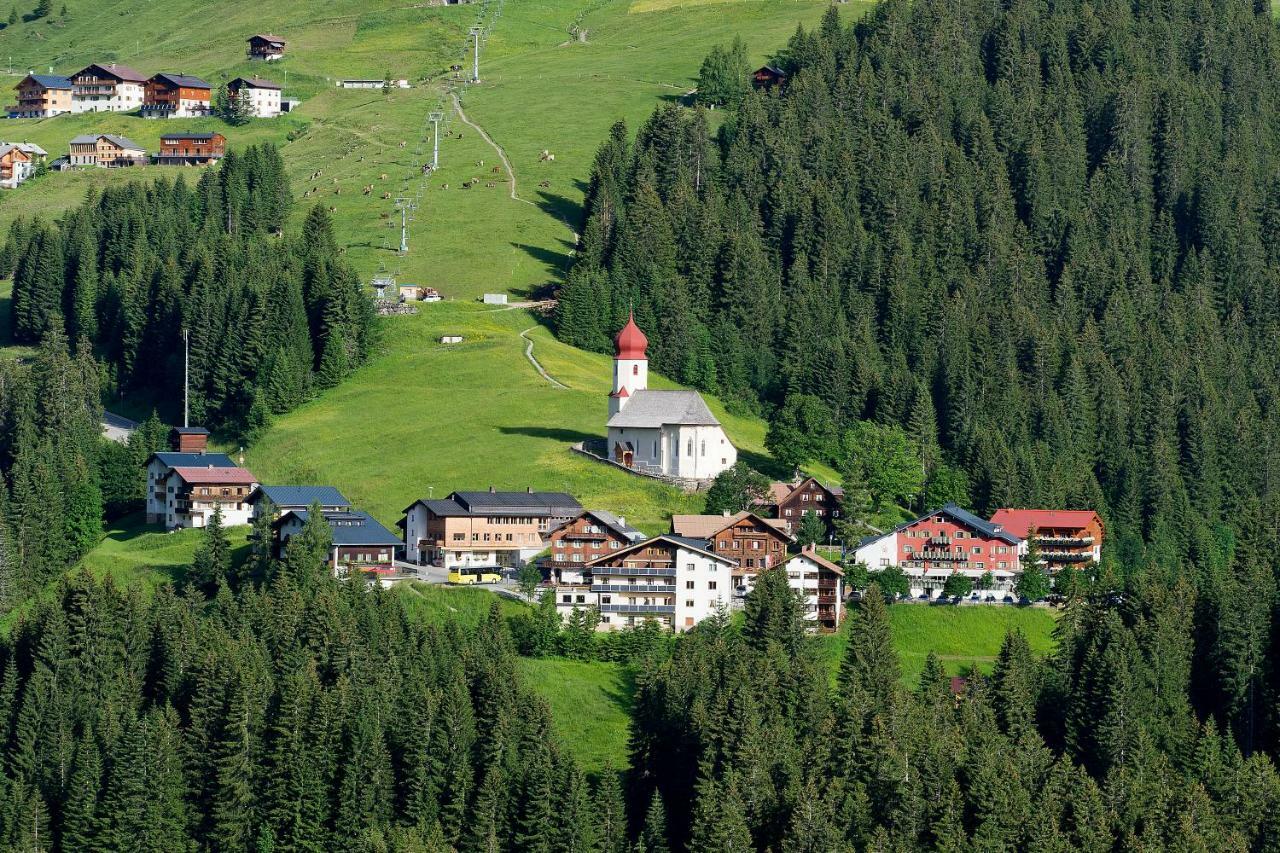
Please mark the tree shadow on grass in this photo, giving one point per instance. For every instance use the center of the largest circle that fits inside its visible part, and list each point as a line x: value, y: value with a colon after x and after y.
x: 765, y: 464
x: 556, y: 263
x: 569, y: 436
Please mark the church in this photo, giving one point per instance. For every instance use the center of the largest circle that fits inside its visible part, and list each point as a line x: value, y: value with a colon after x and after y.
x: 662, y: 433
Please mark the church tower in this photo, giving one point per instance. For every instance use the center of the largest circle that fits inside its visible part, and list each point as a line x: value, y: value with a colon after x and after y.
x: 630, y: 365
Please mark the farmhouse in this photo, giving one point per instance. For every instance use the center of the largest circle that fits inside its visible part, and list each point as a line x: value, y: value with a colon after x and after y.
x: 16, y: 165
x: 665, y: 433
x: 191, y: 149
x: 192, y: 493
x: 820, y: 583
x: 41, y: 96
x: 176, y: 96
x: 361, y: 546
x: 287, y: 498
x: 468, y: 529
x: 949, y: 540
x: 261, y: 98
x: 1065, y: 538
x: 188, y: 450
x: 675, y: 581
x: 107, y: 88
x: 791, y: 502
x: 266, y: 47
x: 106, y: 150
x: 753, y: 542
x: 594, y: 533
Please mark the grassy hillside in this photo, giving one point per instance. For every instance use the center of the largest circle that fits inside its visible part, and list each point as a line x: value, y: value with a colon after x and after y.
x: 589, y: 707
x: 959, y: 636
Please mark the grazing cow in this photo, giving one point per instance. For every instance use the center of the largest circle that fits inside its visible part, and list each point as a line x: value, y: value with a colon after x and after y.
x: 386, y: 196
x: 383, y: 176
x: 332, y: 208
x: 490, y: 184
x: 545, y: 184
x: 337, y: 190
x: 496, y: 170
x: 444, y: 186
x: 402, y: 143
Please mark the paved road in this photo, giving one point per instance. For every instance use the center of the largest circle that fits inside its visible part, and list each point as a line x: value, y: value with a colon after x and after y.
x: 116, y: 427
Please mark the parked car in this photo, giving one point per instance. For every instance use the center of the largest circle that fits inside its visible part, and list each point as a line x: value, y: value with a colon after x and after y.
x: 1008, y: 599
x: 1024, y: 600
x: 990, y: 598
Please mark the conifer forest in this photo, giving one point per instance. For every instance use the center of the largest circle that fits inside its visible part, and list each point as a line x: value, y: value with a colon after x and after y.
x: 1035, y: 243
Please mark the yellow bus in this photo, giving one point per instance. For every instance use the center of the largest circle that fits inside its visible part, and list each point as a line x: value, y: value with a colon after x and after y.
x: 470, y: 575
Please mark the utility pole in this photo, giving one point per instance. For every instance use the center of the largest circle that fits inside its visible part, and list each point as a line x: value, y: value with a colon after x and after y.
x: 436, y: 118
x: 186, y: 373
x: 475, y: 57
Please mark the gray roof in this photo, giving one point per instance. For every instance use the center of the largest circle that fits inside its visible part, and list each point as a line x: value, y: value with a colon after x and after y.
x: 350, y: 528
x: 253, y: 83
x: 963, y: 516
x: 503, y: 503
x: 122, y: 141
x: 31, y: 148
x: 616, y: 524
x: 183, y: 80
x: 193, y: 460
x: 655, y: 408
x: 51, y: 81
x: 120, y: 72
x: 300, y: 496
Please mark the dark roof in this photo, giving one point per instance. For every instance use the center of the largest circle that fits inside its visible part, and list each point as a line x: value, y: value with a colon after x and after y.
x: 351, y: 527
x: 123, y: 142
x: 253, y: 83
x: 192, y: 460
x: 183, y: 80
x: 189, y: 135
x: 963, y: 516
x: 300, y: 496
x: 489, y: 501
x: 616, y: 524
x: 267, y: 37
x: 190, y: 430
x: 50, y: 81
x: 120, y: 72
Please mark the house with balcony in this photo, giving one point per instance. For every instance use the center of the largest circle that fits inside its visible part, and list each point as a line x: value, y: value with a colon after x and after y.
x: 672, y: 580
x: 188, y: 449
x: 193, y: 493
x: 266, y: 47
x: 191, y: 149
x: 16, y: 165
x: 820, y: 584
x: 483, y: 529
x: 176, y: 96
x: 791, y: 502
x: 108, y: 88
x: 946, y: 541
x: 753, y: 542
x: 361, y: 546
x: 1065, y: 537
x: 106, y: 151
x: 592, y: 534
x: 42, y: 96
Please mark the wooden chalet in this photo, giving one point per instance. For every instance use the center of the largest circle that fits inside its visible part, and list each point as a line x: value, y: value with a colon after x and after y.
x: 41, y: 96
x: 791, y: 502
x: 589, y: 536
x: 266, y: 47
x: 768, y: 77
x: 754, y: 543
x: 191, y: 149
x: 176, y: 96
x: 15, y: 165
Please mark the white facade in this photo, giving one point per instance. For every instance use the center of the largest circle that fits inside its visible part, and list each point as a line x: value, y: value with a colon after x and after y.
x: 804, y: 576
x: 262, y: 102
x: 125, y: 98
x: 879, y: 553
x: 202, y: 507
x: 692, y: 451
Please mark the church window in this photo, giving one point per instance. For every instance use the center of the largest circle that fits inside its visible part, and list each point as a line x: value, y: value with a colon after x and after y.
x: 690, y: 453
x: 702, y: 448
x: 635, y: 370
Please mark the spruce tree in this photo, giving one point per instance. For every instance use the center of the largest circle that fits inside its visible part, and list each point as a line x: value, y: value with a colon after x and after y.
x: 212, y: 561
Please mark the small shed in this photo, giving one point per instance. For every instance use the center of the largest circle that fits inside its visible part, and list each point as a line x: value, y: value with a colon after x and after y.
x: 451, y: 339
x: 495, y: 299
x: 768, y: 76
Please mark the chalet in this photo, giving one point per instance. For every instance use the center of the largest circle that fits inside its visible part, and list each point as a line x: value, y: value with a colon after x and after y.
x: 1064, y: 537
x: 480, y: 529
x: 673, y: 580
x: 189, y: 447
x: 267, y: 48
x: 106, y: 150
x: 767, y: 77
x: 592, y: 534
x: 261, y: 98
x: 16, y: 165
x: 361, y: 546
x: 288, y: 498
x: 791, y: 502
x: 753, y: 542
x: 176, y: 96
x: 193, y: 492
x: 41, y: 96
x: 191, y: 149
x: 107, y: 88
x: 820, y: 583
x: 949, y: 540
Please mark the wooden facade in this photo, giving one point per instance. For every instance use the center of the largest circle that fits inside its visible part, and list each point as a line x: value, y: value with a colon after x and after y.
x: 191, y: 149
x: 15, y: 165
x: 41, y: 96
x: 581, y: 540
x: 793, y: 502
x: 176, y: 96
x: 266, y: 47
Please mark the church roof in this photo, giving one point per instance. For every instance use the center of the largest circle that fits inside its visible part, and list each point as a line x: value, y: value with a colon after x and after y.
x: 630, y: 342
x: 649, y: 408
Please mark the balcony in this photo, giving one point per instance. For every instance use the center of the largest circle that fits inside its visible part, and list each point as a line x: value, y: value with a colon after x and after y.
x: 636, y: 572
x: 1066, y: 556
x: 1066, y: 541
x: 939, y: 555
x: 634, y: 589
x: 637, y: 609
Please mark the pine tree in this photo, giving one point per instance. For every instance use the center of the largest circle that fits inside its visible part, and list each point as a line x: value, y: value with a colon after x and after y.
x: 211, y: 564
x: 653, y: 835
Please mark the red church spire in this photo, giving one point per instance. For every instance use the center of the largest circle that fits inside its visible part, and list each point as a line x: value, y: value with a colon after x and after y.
x: 630, y: 342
